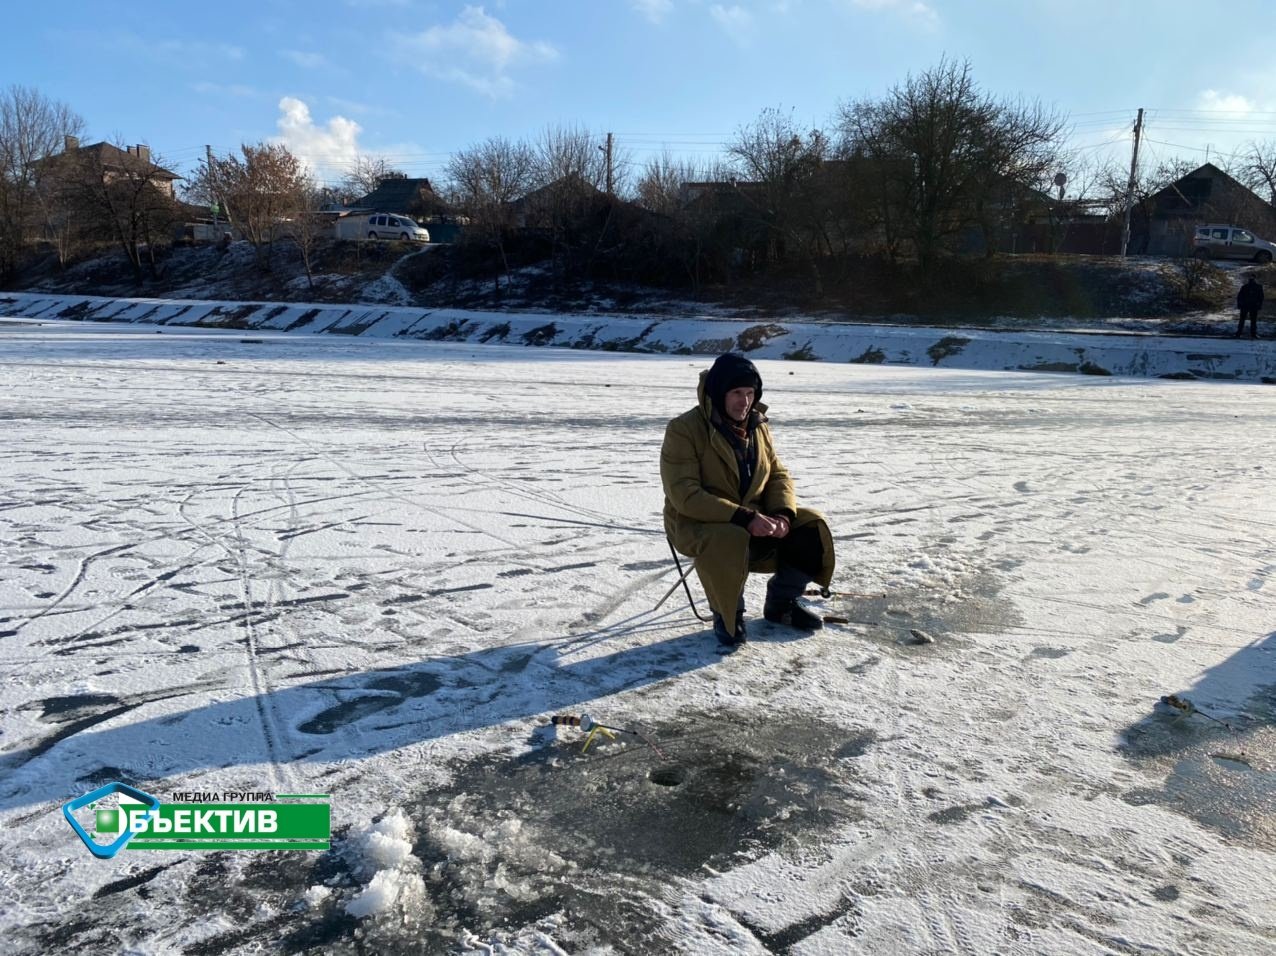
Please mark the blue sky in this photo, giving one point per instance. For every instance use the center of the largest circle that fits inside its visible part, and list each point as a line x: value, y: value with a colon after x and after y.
x: 413, y: 80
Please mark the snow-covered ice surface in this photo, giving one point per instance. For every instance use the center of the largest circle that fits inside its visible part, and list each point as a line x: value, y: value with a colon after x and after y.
x: 373, y: 569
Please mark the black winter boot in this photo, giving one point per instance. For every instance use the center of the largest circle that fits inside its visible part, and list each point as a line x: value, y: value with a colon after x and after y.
x: 792, y: 613
x: 782, y: 606
x: 720, y: 627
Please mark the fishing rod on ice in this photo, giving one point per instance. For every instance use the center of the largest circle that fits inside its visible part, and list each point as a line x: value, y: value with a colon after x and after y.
x: 592, y: 728
x: 1186, y: 709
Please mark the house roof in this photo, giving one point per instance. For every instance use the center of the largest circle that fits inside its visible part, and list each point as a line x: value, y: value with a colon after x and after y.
x: 570, y: 182
x: 1194, y: 189
x: 112, y: 157
x: 392, y: 194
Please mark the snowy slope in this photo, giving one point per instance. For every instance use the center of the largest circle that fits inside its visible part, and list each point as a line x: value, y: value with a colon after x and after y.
x: 1102, y: 353
x: 374, y: 568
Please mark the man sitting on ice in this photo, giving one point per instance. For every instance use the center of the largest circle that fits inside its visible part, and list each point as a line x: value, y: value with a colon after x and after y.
x: 729, y: 504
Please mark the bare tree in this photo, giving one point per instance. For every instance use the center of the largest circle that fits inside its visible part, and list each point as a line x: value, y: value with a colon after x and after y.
x: 32, y: 128
x: 1258, y: 168
x: 366, y: 175
x: 572, y: 176
x: 259, y: 190
x: 701, y: 212
x: 569, y: 152
x: 308, y: 227
x: 486, y: 179
x: 1081, y: 195
x: 660, y: 185
x: 60, y: 197
x: 783, y: 164
x: 1113, y: 184
x: 130, y: 199
x: 946, y: 152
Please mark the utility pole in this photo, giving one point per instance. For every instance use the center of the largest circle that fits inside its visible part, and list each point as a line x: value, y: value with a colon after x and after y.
x: 212, y: 197
x: 1129, y: 189
x: 610, y: 180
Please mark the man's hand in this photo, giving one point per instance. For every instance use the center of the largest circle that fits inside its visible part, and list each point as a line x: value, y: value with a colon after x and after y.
x: 763, y: 527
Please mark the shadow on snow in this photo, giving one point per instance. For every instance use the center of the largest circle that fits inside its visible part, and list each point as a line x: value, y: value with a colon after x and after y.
x: 332, y: 719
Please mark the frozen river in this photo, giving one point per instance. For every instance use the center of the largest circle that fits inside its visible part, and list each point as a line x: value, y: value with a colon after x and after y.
x: 374, y: 569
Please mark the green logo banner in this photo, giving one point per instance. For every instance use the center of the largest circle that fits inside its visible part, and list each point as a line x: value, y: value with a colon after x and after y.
x: 221, y: 826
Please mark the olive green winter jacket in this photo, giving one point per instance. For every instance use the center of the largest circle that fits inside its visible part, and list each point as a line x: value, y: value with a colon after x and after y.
x: 701, y: 479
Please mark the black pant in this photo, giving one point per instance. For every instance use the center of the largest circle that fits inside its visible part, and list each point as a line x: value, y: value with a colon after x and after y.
x: 1252, y: 315
x: 799, y: 556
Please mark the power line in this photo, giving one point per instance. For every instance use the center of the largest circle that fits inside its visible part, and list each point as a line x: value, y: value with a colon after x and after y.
x: 1198, y: 149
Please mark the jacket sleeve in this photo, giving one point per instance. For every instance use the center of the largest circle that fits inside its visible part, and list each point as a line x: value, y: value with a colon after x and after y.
x: 680, y: 475
x: 778, y: 497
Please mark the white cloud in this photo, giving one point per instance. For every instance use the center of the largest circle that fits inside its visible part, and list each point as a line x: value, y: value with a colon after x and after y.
x: 1222, y: 124
x: 328, y: 150
x: 1234, y: 104
x: 475, y: 50
x: 917, y: 10
x: 653, y: 10
x: 735, y: 21
x: 310, y: 61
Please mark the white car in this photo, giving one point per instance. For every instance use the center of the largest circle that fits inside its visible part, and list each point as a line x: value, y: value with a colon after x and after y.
x: 1230, y: 242
x: 396, y: 226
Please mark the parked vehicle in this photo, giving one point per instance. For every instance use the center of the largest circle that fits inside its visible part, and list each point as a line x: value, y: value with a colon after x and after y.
x: 1231, y: 242
x: 397, y: 226
x: 382, y: 225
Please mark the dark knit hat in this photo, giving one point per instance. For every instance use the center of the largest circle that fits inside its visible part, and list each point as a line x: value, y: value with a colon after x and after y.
x: 732, y: 370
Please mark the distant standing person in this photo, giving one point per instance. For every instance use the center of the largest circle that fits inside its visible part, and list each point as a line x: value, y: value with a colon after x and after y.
x: 1249, y: 300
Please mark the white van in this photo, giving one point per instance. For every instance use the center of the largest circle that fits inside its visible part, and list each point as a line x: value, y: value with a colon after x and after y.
x: 396, y: 226
x: 1217, y: 241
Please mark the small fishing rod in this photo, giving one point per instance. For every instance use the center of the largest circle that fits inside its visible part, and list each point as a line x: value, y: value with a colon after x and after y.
x: 1186, y: 708
x: 592, y: 728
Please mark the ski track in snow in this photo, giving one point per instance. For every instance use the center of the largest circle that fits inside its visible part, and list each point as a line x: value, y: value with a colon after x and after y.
x: 374, y: 570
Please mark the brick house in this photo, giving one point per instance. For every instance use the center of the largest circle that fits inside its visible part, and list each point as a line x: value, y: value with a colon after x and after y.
x: 113, y: 161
